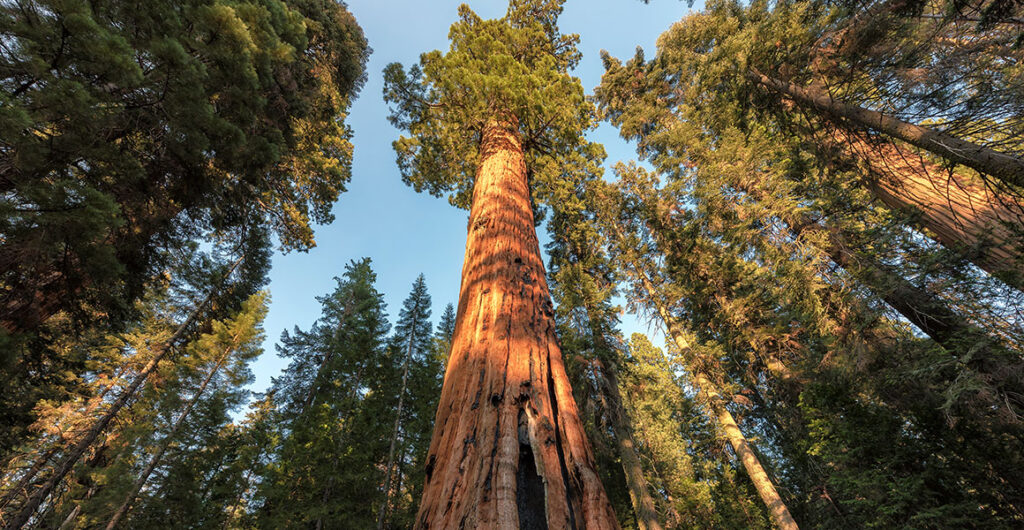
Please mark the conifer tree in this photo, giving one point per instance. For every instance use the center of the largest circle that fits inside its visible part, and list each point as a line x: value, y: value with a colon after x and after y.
x: 641, y: 270
x: 412, y: 348
x: 509, y: 448
x: 582, y: 287
x: 95, y: 425
x: 330, y: 401
x: 443, y: 336
x: 751, y: 148
x: 132, y: 129
x: 843, y: 77
x: 229, y: 346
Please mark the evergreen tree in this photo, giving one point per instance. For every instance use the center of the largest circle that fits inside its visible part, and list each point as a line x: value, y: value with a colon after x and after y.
x: 94, y: 419
x: 330, y: 440
x: 186, y: 108
x: 135, y: 130
x: 508, y: 449
x: 412, y: 347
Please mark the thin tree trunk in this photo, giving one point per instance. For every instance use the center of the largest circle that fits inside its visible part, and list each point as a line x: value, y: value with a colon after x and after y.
x: 957, y: 211
x: 1004, y: 167
x: 68, y: 462
x: 382, y: 515
x: 165, y: 444
x: 28, y: 477
x: 508, y: 449
x: 639, y: 489
x: 762, y: 483
x: 69, y: 521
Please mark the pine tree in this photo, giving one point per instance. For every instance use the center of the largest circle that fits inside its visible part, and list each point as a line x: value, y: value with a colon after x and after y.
x: 735, y: 144
x: 508, y: 449
x: 582, y: 287
x: 642, y: 271
x: 412, y: 347
x: 330, y: 401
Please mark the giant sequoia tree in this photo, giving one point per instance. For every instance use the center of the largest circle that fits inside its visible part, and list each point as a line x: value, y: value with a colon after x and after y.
x: 495, y: 116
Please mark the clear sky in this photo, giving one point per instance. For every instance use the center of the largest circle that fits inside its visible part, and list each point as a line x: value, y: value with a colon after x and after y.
x: 408, y: 233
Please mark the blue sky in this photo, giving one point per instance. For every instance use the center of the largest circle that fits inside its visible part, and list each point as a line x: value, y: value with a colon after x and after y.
x: 408, y: 233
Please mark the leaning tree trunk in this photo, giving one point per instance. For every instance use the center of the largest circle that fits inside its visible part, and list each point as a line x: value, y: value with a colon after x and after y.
x: 28, y: 509
x: 958, y: 211
x: 508, y: 449
x: 1004, y: 167
x: 165, y: 444
x: 639, y: 490
x: 622, y: 426
x: 762, y: 483
x: 999, y: 367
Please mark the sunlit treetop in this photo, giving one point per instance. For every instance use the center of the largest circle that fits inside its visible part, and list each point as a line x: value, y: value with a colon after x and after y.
x: 515, y: 69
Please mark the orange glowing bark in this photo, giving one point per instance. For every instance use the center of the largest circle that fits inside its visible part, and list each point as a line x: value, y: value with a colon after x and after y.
x: 508, y: 449
x: 958, y: 211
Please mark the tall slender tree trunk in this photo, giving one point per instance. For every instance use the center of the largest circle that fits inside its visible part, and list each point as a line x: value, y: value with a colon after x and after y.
x: 639, y: 489
x: 22, y: 486
x: 165, y: 444
x: 508, y: 449
x: 383, y: 514
x: 1003, y: 166
x: 63, y: 467
x: 958, y: 211
x: 762, y: 483
x: 622, y: 426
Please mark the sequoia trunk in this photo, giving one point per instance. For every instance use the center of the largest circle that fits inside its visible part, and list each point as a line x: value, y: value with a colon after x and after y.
x: 1002, y: 166
x: 508, y: 449
x: 957, y: 211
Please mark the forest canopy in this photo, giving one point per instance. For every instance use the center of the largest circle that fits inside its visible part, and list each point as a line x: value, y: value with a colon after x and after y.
x: 795, y: 301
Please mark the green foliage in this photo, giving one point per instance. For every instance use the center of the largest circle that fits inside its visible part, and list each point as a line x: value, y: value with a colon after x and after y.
x: 513, y: 70
x: 414, y: 338
x: 134, y: 127
x: 330, y: 401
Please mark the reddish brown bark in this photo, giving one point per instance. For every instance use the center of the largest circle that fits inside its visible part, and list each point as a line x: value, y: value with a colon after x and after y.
x: 956, y: 210
x: 1002, y: 166
x: 508, y: 449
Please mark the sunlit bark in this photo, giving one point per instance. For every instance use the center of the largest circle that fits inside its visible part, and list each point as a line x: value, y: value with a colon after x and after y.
x: 508, y: 449
x: 958, y: 211
x: 1005, y: 167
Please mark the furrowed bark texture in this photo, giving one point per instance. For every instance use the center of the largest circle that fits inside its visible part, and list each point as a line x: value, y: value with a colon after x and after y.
x: 1002, y: 166
x: 958, y: 211
x: 508, y: 449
